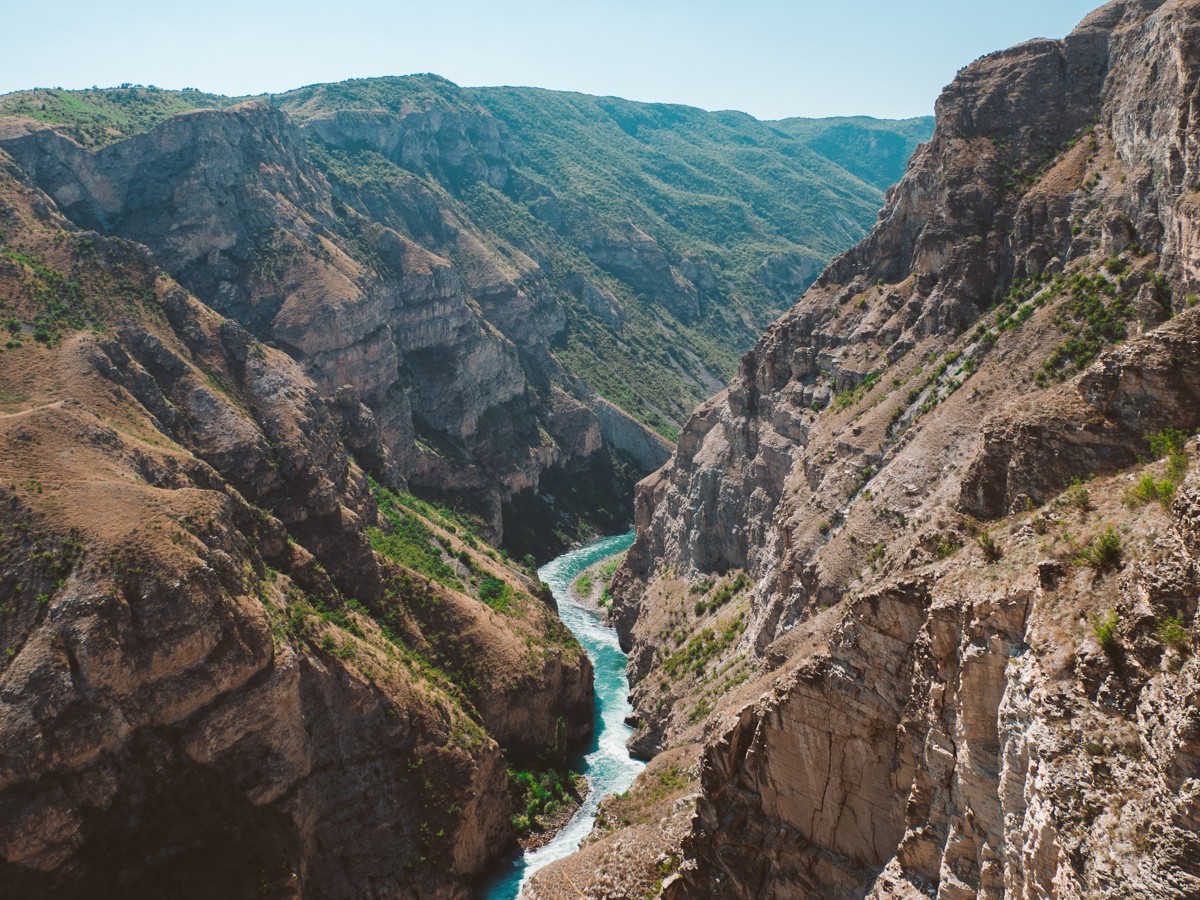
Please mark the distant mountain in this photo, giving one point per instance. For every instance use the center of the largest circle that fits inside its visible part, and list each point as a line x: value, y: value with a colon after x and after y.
x: 875, y: 150
x: 519, y: 286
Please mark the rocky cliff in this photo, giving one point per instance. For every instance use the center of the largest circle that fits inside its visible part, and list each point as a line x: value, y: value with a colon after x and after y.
x: 231, y: 663
x: 913, y: 577
x: 495, y: 319
x: 435, y: 395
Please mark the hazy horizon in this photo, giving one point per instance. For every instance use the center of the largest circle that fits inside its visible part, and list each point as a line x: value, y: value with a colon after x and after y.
x: 768, y: 58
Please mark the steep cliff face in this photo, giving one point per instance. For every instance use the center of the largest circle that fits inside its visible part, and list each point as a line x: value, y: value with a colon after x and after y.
x: 231, y: 664
x: 447, y: 363
x: 909, y: 702
x: 505, y: 291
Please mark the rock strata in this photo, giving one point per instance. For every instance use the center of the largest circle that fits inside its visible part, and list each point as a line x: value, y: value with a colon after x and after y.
x: 906, y: 577
x: 218, y: 675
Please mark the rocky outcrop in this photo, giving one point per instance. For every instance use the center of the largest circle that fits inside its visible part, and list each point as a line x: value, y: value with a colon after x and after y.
x: 941, y: 736
x: 447, y: 357
x: 212, y: 681
x: 898, y: 699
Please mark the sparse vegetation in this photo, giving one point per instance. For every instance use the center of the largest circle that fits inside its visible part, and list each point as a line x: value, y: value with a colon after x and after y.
x: 846, y: 399
x: 947, y: 546
x: 1150, y: 489
x: 1172, y: 633
x: 409, y: 542
x: 703, y: 648
x: 1094, y: 315
x: 583, y: 584
x: 723, y: 594
x: 1078, y: 496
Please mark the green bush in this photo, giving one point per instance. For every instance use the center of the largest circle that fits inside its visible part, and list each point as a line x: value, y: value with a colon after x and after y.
x: 1105, y: 629
x: 947, y: 546
x: 991, y: 550
x: 496, y: 594
x: 1167, y: 442
x: 1103, y: 553
x: 1172, y: 632
x: 1150, y: 489
x: 1177, y: 466
x: 583, y: 585
x: 538, y: 794
x: 1078, y: 496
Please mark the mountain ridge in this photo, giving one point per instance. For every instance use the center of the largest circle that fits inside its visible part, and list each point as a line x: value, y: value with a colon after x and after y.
x: 545, y: 273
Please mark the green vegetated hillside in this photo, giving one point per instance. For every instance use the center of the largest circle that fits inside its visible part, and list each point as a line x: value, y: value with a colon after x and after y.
x: 875, y: 150
x: 671, y: 235
x: 99, y: 117
x: 675, y: 234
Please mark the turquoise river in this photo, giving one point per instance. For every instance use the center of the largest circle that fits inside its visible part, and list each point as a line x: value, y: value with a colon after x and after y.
x: 605, y: 761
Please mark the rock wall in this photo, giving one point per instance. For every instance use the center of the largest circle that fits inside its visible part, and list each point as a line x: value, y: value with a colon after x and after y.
x: 898, y: 699
x: 449, y: 357
x: 211, y: 682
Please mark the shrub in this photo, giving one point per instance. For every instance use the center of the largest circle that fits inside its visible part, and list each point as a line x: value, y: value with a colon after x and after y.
x: 947, y: 546
x: 1105, y: 629
x: 1167, y: 442
x: 1177, y: 466
x: 1078, y: 496
x: 991, y: 550
x: 1151, y: 489
x: 583, y: 585
x: 495, y: 593
x: 539, y: 794
x: 1103, y: 553
x: 1172, y: 633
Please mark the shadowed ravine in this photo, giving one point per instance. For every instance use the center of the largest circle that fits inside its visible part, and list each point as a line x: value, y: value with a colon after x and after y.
x: 605, y: 761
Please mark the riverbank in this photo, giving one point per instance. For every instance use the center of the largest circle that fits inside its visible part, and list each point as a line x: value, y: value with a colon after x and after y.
x: 590, y: 589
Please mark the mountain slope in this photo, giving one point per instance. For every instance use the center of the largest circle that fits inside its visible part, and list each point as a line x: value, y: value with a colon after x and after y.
x: 915, y: 581
x: 226, y: 651
x: 484, y: 269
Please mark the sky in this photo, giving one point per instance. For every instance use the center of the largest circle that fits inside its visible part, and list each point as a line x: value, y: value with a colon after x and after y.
x: 770, y: 58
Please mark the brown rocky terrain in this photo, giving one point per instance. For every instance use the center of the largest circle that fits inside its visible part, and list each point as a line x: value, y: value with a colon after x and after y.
x: 441, y: 371
x: 914, y: 578
x: 485, y: 330
x: 232, y: 665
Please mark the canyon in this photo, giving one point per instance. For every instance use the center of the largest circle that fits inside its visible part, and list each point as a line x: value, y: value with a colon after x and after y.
x: 295, y: 391
x: 461, y: 270
x: 299, y: 389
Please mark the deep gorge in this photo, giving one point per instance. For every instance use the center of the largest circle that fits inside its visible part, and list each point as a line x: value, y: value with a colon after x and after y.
x: 315, y: 405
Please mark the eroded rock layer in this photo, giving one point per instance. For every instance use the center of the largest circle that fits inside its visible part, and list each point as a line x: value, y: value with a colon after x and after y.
x: 232, y: 665
x: 915, y: 578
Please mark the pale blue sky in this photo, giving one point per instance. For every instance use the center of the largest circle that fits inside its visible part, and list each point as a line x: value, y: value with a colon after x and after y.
x: 771, y: 58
